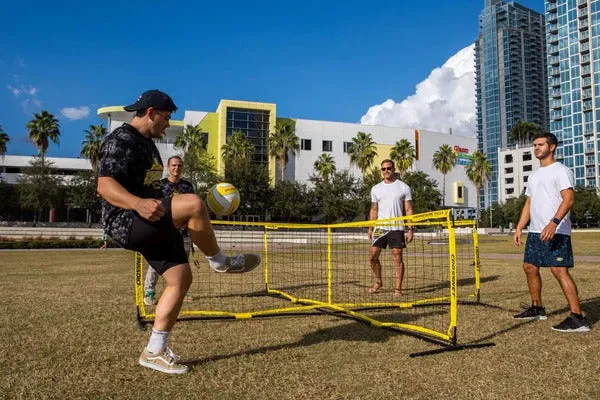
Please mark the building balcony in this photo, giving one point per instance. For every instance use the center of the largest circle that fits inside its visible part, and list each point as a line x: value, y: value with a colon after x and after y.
x: 582, y: 13
x: 553, y: 39
x: 554, y: 82
x: 589, y: 149
x: 552, y: 50
x: 585, y: 59
x: 585, y: 71
x: 556, y: 115
x: 590, y: 173
x: 586, y: 94
x: 586, y: 82
x: 551, y: 7
x: 587, y: 105
x: 584, y: 36
x: 555, y: 93
x: 584, y: 47
x: 590, y: 160
x: 554, y: 71
x: 583, y: 24
x: 581, y: 3
x: 553, y: 60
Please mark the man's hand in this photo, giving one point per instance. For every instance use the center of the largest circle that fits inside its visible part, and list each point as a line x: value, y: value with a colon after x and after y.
x: 548, y: 232
x: 409, y: 236
x: 150, y: 209
x: 517, y: 237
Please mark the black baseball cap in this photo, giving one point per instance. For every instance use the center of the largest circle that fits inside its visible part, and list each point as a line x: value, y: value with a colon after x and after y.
x: 155, y: 99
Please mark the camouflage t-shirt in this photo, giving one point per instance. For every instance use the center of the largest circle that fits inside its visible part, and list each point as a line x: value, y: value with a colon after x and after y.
x: 172, y: 188
x: 169, y: 189
x: 134, y: 162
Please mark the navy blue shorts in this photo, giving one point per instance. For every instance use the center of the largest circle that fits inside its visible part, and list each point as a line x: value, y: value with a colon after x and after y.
x: 393, y: 239
x: 554, y: 253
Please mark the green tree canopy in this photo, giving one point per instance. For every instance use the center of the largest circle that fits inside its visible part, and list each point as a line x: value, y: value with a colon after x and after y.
x: 283, y: 142
x: 523, y: 132
x: 362, y: 151
x: 324, y: 166
x: 42, y: 130
x: 444, y: 159
x: 4, y: 139
x: 425, y: 194
x: 403, y: 156
x: 238, y: 149
x: 299, y: 209
x: 479, y: 172
x: 37, y: 189
x: 90, y: 147
x: 339, y: 198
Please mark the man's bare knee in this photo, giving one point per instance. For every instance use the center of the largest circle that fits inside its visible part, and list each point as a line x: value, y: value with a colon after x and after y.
x: 530, y: 269
x: 559, y: 272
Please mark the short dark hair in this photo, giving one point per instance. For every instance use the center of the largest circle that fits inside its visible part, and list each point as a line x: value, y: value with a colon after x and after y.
x: 550, y: 138
x: 172, y: 157
x: 387, y: 160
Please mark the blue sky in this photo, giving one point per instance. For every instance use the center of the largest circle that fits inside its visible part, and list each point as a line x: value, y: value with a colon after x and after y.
x: 324, y: 60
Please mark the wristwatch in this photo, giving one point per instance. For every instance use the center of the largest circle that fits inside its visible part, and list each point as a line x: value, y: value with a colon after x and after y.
x: 556, y: 220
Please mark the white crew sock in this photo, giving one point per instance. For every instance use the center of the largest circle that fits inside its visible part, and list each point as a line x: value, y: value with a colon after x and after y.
x: 218, y: 262
x: 158, y: 341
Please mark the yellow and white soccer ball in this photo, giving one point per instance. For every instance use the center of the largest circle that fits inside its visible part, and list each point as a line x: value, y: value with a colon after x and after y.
x: 223, y: 199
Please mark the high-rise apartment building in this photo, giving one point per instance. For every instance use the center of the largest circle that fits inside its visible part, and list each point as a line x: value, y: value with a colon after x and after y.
x: 511, y: 78
x: 573, y: 32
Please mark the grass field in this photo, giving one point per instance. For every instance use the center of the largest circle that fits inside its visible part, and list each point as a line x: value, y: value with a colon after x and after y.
x: 68, y: 330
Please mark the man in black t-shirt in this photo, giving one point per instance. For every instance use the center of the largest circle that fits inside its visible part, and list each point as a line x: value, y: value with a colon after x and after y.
x: 139, y: 218
x: 171, y: 185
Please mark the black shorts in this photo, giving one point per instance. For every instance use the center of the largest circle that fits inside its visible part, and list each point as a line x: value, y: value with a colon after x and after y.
x: 160, y: 242
x: 393, y: 239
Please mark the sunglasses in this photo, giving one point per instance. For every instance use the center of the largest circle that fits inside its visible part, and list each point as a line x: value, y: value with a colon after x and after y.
x: 387, y: 169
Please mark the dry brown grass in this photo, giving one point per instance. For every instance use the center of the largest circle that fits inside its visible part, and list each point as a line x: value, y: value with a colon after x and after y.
x: 67, y: 330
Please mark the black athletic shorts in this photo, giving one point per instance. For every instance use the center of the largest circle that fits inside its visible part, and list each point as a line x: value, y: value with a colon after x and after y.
x: 160, y: 242
x: 393, y: 239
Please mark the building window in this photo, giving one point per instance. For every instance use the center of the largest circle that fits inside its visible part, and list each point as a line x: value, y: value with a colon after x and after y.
x: 508, y: 170
x: 305, y: 144
x: 347, y: 146
x: 527, y: 168
x: 327, y: 145
x: 525, y: 178
x: 510, y: 191
x: 508, y: 159
x: 527, y: 156
x: 509, y: 180
x: 255, y: 125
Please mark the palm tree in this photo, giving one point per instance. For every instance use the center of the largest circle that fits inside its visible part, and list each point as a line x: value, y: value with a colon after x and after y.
x: 90, y: 147
x: 403, y: 155
x: 283, y: 142
x: 237, y: 149
x: 362, y: 151
x: 523, y: 132
x: 444, y: 160
x: 4, y: 139
x: 190, y: 139
x: 479, y: 172
x: 325, y: 166
x: 42, y: 129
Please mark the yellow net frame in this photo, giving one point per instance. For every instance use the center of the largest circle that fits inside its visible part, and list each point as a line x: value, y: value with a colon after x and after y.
x: 324, y: 251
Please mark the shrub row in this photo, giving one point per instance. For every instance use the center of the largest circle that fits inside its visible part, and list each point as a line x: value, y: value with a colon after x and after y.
x: 53, y: 243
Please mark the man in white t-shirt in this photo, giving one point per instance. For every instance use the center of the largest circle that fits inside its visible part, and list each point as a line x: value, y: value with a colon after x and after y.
x: 389, y: 199
x: 550, y: 196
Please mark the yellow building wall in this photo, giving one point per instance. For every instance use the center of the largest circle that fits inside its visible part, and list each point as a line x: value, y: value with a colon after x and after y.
x: 222, y: 127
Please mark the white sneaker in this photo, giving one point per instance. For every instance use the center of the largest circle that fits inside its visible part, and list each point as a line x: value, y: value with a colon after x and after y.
x: 165, y: 361
x: 239, y: 264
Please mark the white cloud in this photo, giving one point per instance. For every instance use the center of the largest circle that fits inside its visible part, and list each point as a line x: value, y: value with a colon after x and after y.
x: 446, y: 99
x: 27, y: 96
x: 75, y: 113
